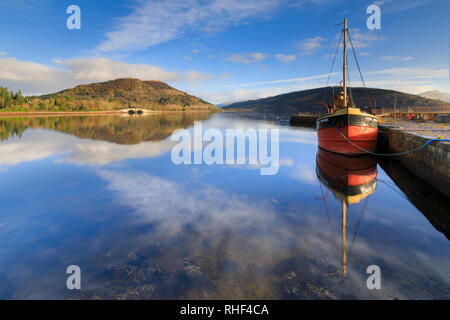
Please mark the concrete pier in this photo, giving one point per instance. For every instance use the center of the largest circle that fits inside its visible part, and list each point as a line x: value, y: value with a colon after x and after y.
x: 431, y: 163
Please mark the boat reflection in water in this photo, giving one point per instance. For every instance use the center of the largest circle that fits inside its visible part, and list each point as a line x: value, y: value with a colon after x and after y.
x: 350, y: 179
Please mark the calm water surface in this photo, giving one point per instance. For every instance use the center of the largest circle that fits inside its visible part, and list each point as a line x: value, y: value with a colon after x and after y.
x: 103, y: 193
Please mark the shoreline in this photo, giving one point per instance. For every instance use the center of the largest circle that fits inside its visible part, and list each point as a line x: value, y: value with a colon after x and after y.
x: 56, y: 113
x: 84, y: 113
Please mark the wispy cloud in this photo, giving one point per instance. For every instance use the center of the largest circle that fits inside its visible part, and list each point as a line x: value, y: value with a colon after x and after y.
x: 175, y: 204
x: 43, y: 144
x: 413, y: 73
x: 247, y: 57
x: 413, y: 80
x: 278, y: 81
x: 286, y: 58
x: 194, y: 76
x: 362, y: 54
x: 35, y: 78
x: 363, y: 39
x: 157, y: 21
x: 24, y: 4
x: 396, y: 58
x: 305, y: 173
x: 309, y: 46
x: 390, y: 6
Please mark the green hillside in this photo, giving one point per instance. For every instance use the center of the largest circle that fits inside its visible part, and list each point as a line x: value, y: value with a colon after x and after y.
x: 128, y: 92
x: 106, y: 96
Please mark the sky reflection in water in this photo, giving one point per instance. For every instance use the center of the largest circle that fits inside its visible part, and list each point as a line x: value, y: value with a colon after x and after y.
x: 141, y: 227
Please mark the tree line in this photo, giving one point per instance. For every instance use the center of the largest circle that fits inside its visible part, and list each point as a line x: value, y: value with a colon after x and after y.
x: 9, y: 98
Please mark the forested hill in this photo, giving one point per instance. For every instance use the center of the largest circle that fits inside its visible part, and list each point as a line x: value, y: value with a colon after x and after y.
x: 106, y: 96
x: 306, y: 100
x: 129, y: 92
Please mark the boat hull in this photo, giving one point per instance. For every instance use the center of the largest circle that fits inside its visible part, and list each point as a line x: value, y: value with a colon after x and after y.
x: 360, y: 129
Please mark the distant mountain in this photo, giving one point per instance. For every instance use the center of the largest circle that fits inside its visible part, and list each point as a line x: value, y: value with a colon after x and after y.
x: 306, y: 100
x: 434, y: 94
x: 223, y: 105
x: 128, y: 92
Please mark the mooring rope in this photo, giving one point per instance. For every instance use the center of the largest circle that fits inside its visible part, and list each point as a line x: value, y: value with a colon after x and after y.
x: 389, y: 154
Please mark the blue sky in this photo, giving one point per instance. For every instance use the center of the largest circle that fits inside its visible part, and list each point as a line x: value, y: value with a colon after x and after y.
x: 222, y: 50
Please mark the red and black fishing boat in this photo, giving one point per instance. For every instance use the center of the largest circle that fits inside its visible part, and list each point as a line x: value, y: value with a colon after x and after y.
x: 346, y: 129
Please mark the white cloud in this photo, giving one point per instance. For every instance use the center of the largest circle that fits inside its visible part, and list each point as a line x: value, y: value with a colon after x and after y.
x: 396, y: 58
x: 413, y: 80
x: 410, y: 80
x: 15, y: 151
x: 194, y: 76
x: 362, y: 54
x: 35, y: 78
x: 24, y: 4
x: 278, y: 81
x: 96, y: 69
x: 157, y: 21
x: 101, y: 153
x: 288, y: 162
x: 362, y: 39
x: 413, y: 73
x: 390, y: 6
x: 247, y: 57
x: 309, y: 46
x: 242, y: 94
x: 286, y: 58
x: 263, y: 89
x: 305, y: 173
x: 42, y: 144
x: 2, y: 53
x: 172, y: 204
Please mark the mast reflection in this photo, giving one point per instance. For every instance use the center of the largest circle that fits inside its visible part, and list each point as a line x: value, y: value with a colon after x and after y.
x: 350, y: 179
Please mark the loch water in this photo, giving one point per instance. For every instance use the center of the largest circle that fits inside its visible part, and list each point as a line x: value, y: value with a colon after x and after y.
x: 102, y: 193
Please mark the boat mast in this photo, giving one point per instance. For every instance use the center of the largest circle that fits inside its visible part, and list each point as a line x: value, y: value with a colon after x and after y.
x: 345, y: 63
